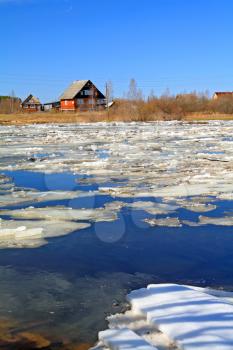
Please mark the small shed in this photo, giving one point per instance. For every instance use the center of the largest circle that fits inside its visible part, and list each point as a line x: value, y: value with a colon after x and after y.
x: 52, y: 106
x: 31, y: 104
x: 82, y: 95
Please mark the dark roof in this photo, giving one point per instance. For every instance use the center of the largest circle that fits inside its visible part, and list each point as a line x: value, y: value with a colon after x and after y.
x: 224, y: 93
x: 52, y: 103
x: 32, y: 99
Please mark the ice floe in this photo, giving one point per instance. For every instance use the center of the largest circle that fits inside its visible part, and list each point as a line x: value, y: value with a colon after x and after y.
x: 32, y: 234
x: 61, y: 213
x: 170, y: 316
x: 161, y: 166
x: 168, y: 222
x: 153, y: 208
x: 20, y: 197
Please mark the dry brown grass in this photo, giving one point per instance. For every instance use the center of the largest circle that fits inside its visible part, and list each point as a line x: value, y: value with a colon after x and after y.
x: 62, y: 118
x: 53, y: 118
x: 208, y: 116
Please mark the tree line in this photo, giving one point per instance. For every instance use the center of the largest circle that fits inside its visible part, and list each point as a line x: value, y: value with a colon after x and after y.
x: 135, y: 106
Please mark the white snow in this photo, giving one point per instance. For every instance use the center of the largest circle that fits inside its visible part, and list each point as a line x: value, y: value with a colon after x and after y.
x: 175, y: 317
x: 193, y: 319
x: 123, y: 339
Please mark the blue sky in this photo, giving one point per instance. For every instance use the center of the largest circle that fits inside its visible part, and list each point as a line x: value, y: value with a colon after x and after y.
x: 182, y: 45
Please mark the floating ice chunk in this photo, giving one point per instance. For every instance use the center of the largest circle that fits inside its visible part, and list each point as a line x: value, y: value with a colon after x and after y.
x: 115, y: 205
x: 23, y: 196
x: 34, y: 233
x: 196, y: 206
x: 168, y: 222
x: 153, y: 208
x: 220, y: 221
x: 226, y: 196
x: 61, y: 213
x: 191, y: 223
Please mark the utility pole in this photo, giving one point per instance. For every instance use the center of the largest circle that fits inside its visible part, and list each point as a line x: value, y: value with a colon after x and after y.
x: 12, y: 101
x: 107, y: 99
x: 92, y: 92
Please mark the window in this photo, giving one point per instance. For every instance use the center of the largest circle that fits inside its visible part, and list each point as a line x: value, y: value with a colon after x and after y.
x: 101, y: 101
x: 87, y: 93
x: 91, y: 101
x: 80, y: 101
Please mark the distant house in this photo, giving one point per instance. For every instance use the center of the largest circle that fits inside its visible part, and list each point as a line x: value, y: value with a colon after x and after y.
x: 218, y: 95
x: 31, y: 104
x: 82, y: 95
x: 52, y: 106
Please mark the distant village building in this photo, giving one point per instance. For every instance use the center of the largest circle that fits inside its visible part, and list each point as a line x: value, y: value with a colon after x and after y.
x: 52, y: 106
x: 218, y: 95
x: 82, y: 95
x: 31, y: 104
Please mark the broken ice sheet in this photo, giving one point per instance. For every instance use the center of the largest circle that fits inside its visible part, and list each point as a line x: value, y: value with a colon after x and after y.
x: 205, y: 220
x: 219, y: 221
x: 153, y: 208
x: 61, y: 213
x: 168, y: 222
x: 184, y: 155
x: 26, y: 233
x: 20, y: 196
x: 196, y: 206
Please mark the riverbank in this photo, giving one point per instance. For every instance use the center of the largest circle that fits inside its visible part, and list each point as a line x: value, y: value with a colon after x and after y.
x: 93, y: 117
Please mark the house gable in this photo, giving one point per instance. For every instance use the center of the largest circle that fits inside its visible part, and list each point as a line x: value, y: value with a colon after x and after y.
x: 31, y: 100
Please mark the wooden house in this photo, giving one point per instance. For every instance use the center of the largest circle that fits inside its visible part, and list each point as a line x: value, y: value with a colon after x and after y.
x: 218, y: 95
x: 82, y: 95
x: 31, y: 104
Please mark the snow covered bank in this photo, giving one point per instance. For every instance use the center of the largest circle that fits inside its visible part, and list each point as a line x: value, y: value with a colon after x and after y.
x: 170, y: 316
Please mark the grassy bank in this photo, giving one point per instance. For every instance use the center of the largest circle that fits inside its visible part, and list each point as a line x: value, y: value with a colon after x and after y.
x: 56, y: 118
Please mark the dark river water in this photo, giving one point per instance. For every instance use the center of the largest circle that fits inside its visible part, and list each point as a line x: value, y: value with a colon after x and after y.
x: 64, y: 290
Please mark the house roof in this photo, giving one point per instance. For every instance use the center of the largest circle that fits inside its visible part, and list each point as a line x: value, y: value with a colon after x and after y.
x: 32, y: 99
x: 224, y: 93
x: 73, y: 89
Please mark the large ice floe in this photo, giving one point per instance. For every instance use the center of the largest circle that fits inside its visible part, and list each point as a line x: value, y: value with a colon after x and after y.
x: 171, y: 316
x: 32, y: 234
x: 157, y: 167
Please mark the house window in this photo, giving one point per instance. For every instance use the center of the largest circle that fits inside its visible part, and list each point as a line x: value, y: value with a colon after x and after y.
x: 91, y: 101
x: 87, y: 93
x: 101, y: 101
x: 80, y: 101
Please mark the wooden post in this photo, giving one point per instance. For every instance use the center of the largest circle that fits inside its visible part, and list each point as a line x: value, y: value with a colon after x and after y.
x: 107, y: 99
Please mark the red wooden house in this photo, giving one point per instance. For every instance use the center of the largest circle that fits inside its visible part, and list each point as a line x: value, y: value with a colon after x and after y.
x: 82, y: 95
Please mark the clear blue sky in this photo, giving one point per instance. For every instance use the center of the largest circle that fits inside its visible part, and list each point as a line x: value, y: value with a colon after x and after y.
x: 182, y: 45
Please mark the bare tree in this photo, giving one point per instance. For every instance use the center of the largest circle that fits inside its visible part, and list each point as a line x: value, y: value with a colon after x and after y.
x: 151, y: 95
x: 12, y: 101
x: 134, y: 93
x: 109, y: 90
